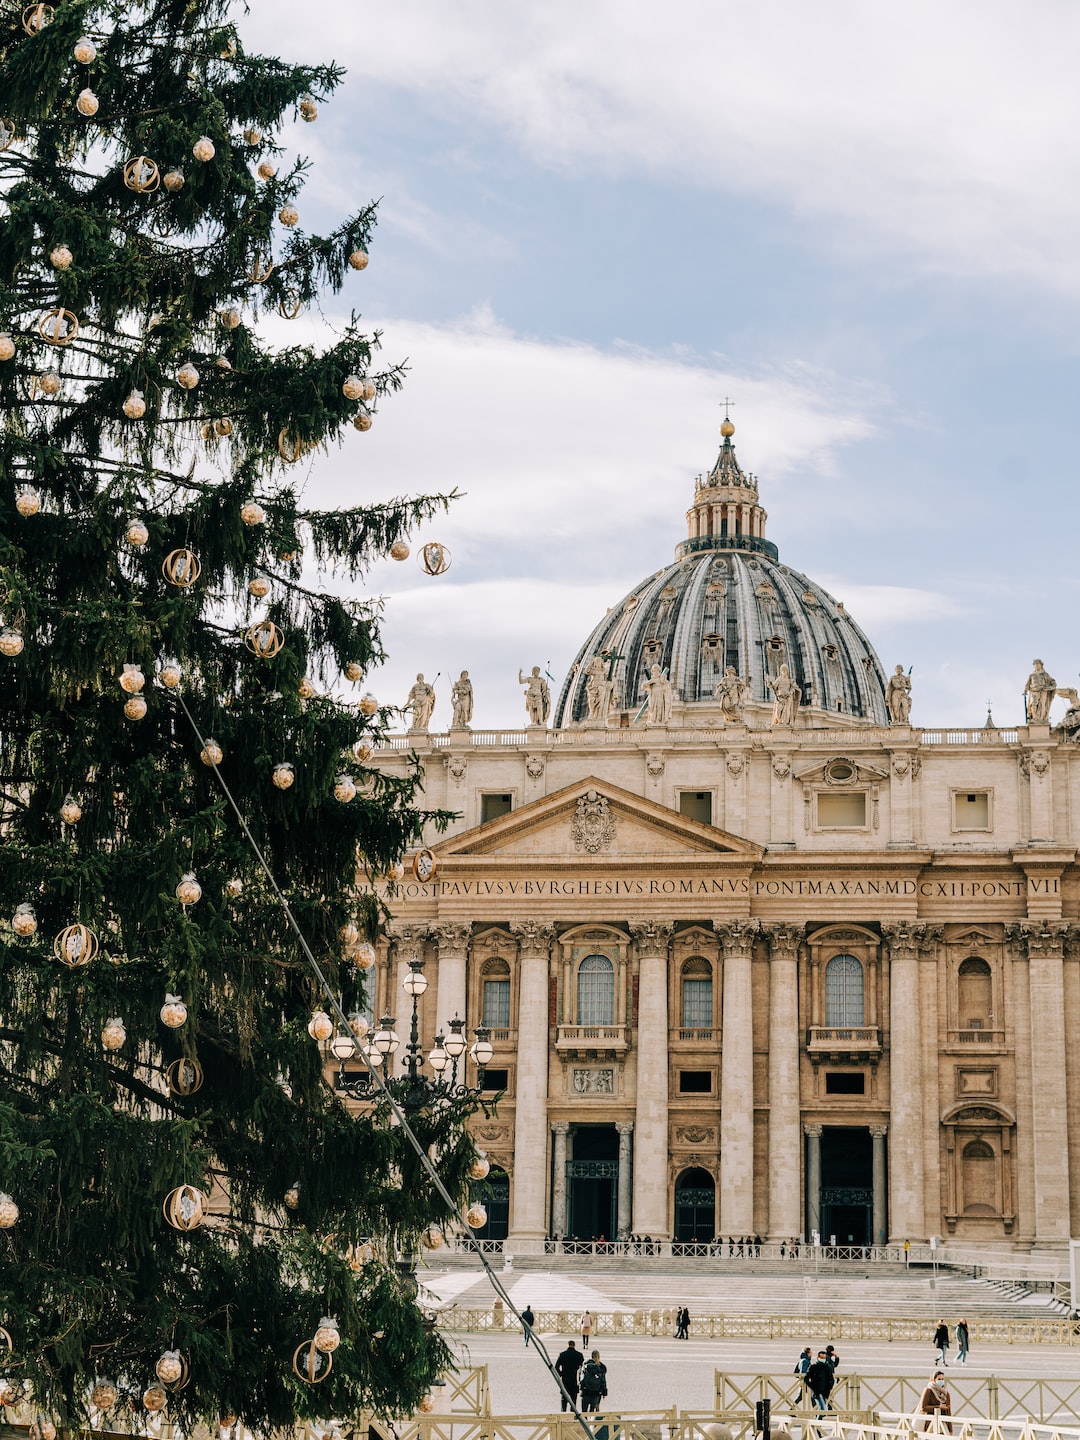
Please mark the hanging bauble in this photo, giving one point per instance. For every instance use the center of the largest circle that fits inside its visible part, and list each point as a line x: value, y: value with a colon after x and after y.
x: 7, y: 346
x: 234, y: 887
x: 10, y: 1393
x: 11, y: 641
x: 60, y: 258
x: 395, y: 872
x: 480, y: 1167
x: 223, y: 427
x: 289, y: 215
x: 174, y: 1012
x: 85, y: 53
x: 292, y: 1197
x: 368, y: 704
x: 188, y: 889
x: 308, y: 109
x: 290, y: 305
x: 230, y: 318
x: 433, y: 1238
x: 310, y: 1364
x: 426, y: 1404
x: 185, y: 1207
x: 344, y: 789
x: 327, y: 1337
x: 203, y: 149
x: 113, y: 1037
x: 142, y: 175
x: 184, y: 1076
x: 27, y: 501
x: 358, y: 1025
x: 476, y: 1217
x: 36, y: 17
x: 181, y: 568
x: 369, y: 390
x: 252, y: 513
x: 211, y: 753
x: 132, y: 680
x: 154, y: 1399
x: 362, y: 419
x: 290, y: 448
x: 135, y: 406
x: 364, y: 958
x: 173, y: 181
x: 264, y: 639
x: 24, y: 921
x: 305, y: 689
x: 259, y: 586
x: 266, y: 170
x: 170, y: 674
x: 170, y: 1367
x: 135, y: 708
x: 252, y: 136
x: 354, y: 671
x: 349, y: 933
x: 48, y: 382
x: 283, y: 775
x: 187, y: 376
x: 320, y: 1026
x: 9, y: 1211
x: 434, y: 558
x: 76, y: 945
x: 70, y: 810
x: 358, y: 259
x: 399, y: 550
x: 41, y: 1427
x: 362, y: 750
x: 86, y: 102
x: 352, y: 387
x: 137, y: 533
x: 104, y: 1394
x: 58, y: 326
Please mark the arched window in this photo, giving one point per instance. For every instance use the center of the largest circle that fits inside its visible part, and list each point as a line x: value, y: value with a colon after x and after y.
x: 697, y: 1005
x: 695, y: 1206
x: 974, y: 994
x: 496, y: 998
x: 979, y: 1178
x: 843, y: 991
x: 596, y: 991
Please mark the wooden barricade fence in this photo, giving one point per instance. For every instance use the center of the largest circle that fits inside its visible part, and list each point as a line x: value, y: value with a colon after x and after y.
x: 991, y: 1396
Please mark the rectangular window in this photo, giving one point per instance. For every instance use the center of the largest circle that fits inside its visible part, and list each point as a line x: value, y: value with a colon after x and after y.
x: 842, y: 812
x: 497, y: 1004
x: 492, y: 806
x: 495, y: 1079
x: 845, y: 1082
x: 695, y: 1082
x: 696, y: 805
x: 697, y: 1003
x: 971, y: 810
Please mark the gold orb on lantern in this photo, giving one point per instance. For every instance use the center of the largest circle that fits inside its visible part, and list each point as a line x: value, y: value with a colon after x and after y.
x: 310, y: 1364
x: 264, y: 639
x: 327, y: 1337
x: 364, y: 958
x: 24, y: 921
x: 48, y: 382
x: 170, y: 674
x: 352, y: 387
x: 283, y: 775
x: 289, y: 215
x: 36, y: 17
x: 11, y: 641
x: 142, y: 175
x: 113, y: 1037
x: 104, y: 1395
x: 229, y: 317
x: 181, y: 568
x: 433, y: 1238
x: 252, y: 513
x: 267, y: 170
x: 9, y: 1211
x: 480, y: 1167
x: 184, y: 1076
x: 203, y: 149
x: 305, y: 689
x: 320, y: 1026
x: 170, y: 1367
x: 132, y: 680
x: 85, y: 53
x: 211, y: 753
x: 58, y: 326
x: 173, y: 181
x: 476, y: 1216
x: 188, y: 889
x: 137, y: 533
x: 259, y: 586
x: 354, y: 671
x: 135, y: 708
x: 27, y: 501
x: 434, y: 558
x: 86, y: 102
x: 252, y: 136
x: 185, y: 1207
x: 399, y: 550
x: 61, y: 257
x: 154, y: 1399
x: 187, y: 376
x: 368, y: 704
x: 7, y: 346
x: 359, y: 259
x: 174, y: 1012
x: 362, y: 419
x: 344, y: 789
x: 76, y: 945
x: 135, y: 405
x: 70, y: 810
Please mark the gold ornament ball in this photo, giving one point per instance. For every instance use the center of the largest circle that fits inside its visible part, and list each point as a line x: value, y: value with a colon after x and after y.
x: 60, y: 258
x: 266, y: 170
x: 171, y: 674
x: 252, y: 136
x: 7, y: 346
x: 135, y: 708
x: 433, y: 1238
x: 252, y: 513
x: 362, y: 750
x: 327, y: 1336
x: 135, y: 405
x: 132, y: 680
x: 27, y: 501
x: 480, y: 1168
x: 259, y: 587
x: 70, y: 810
x: 359, y: 259
x: 181, y: 568
x: 264, y: 639
x: 234, y: 887
x: 349, y: 933
x: 174, y: 1012
x: 9, y: 1211
x: 49, y: 382
x: 223, y: 427
x: 305, y: 689
x: 188, y: 889
x: 358, y: 1025
x: 368, y: 704
x: 169, y: 1367
x: 24, y: 921
x: 85, y: 53
x: 364, y: 959
x: 76, y: 945
x: 284, y: 775
x: 354, y: 671
x: 426, y: 1404
x: 187, y: 376
x: 395, y: 872
x: 173, y: 181
x: 362, y: 420
x: 10, y: 1393
x: 320, y: 1026
x: 86, y: 103
x: 203, y: 149
x: 399, y: 550
x: 344, y: 789
x: 308, y: 109
x: 230, y: 318
x: 476, y: 1217
x: 185, y: 1208
x: 184, y: 1077
x: 137, y: 533
x: 211, y: 753
x: 434, y: 558
x: 292, y: 1197
x: 11, y: 641
x: 727, y: 429
x: 113, y: 1037
x: 227, y: 1420
x: 154, y: 1399
x: 352, y: 387
x: 104, y: 1395
x: 142, y: 175
x: 289, y: 215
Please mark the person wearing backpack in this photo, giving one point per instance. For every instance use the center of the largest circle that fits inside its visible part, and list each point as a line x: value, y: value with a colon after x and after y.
x: 593, y: 1382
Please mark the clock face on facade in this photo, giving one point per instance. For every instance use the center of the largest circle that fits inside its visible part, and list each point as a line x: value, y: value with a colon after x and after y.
x: 424, y: 865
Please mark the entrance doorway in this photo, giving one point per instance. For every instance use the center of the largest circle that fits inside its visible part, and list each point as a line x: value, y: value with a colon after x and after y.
x: 847, y: 1185
x: 592, y: 1183
x: 695, y: 1206
x: 494, y: 1194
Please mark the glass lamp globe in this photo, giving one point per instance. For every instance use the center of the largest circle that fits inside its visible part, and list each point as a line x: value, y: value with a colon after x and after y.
x: 415, y: 982
x: 482, y: 1051
x: 342, y: 1047
x: 438, y: 1059
x: 456, y: 1042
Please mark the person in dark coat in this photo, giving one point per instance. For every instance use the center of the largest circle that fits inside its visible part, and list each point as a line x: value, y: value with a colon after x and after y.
x: 962, y: 1341
x: 941, y: 1342
x: 528, y: 1319
x: 820, y: 1380
x: 567, y: 1364
x: 593, y: 1382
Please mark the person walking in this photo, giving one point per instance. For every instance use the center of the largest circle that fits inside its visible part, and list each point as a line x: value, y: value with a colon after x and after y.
x: 962, y: 1341
x: 567, y: 1364
x: 593, y: 1382
x: 586, y: 1330
x: 528, y: 1319
x: 941, y: 1343
x: 935, y: 1400
x: 832, y: 1357
x: 819, y: 1377
x: 802, y: 1365
x: 682, y: 1323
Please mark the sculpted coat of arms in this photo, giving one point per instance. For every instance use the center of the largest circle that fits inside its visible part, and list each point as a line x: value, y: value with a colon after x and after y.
x: 593, y: 825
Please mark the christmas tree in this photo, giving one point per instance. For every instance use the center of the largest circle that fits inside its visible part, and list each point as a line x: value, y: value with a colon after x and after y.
x: 185, y: 1198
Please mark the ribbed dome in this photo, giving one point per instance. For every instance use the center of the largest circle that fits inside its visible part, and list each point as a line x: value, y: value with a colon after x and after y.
x: 727, y: 601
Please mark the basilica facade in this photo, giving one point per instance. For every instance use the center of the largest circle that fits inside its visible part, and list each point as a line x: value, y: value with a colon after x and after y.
x: 757, y: 956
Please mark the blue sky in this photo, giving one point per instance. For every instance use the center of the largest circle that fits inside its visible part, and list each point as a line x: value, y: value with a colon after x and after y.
x: 860, y: 221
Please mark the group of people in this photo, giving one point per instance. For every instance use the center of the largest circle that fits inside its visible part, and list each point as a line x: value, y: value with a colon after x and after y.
x: 941, y: 1342
x: 580, y: 1376
x: 818, y: 1376
x: 743, y: 1246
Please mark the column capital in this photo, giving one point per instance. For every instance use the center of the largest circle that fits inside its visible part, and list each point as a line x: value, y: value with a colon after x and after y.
x: 451, y: 937
x: 814, y: 1131
x: 1040, y: 938
x: 652, y: 936
x: 737, y: 936
x: 560, y: 1127
x: 879, y: 1130
x: 910, y: 937
x: 624, y: 1127
x: 534, y: 937
x: 784, y: 939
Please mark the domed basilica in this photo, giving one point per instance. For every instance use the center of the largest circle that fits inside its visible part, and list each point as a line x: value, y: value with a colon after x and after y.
x: 756, y: 955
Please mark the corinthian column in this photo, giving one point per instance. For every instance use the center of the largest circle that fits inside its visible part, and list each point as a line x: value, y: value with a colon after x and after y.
x: 626, y: 1130
x: 907, y: 1218
x: 651, y: 1118
x: 1046, y: 979
x: 530, y: 1112
x: 558, y: 1183
x: 737, y: 1081
x: 785, y: 1132
x: 452, y: 946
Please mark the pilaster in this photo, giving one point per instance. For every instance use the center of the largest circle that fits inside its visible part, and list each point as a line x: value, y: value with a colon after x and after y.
x: 907, y: 1217
x: 813, y: 1181
x: 625, y: 1130
x: 452, y: 949
x: 785, y: 1160
x: 651, y: 1116
x: 559, y: 1131
x: 877, y: 1140
x: 737, y: 1080
x: 534, y: 939
x: 1046, y: 981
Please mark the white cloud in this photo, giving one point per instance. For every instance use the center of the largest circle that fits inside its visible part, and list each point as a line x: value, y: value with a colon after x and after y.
x: 884, y: 605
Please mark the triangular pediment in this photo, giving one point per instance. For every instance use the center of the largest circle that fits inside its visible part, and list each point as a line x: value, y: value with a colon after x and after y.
x: 593, y: 820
